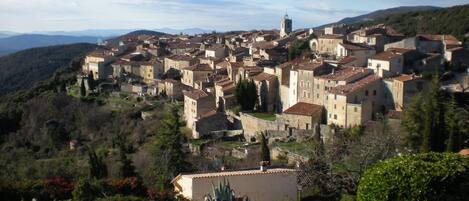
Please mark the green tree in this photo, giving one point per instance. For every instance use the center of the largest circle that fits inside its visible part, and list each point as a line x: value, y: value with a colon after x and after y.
x: 265, y: 151
x: 421, y: 177
x: 98, y: 168
x: 434, y: 123
x: 126, y: 168
x: 82, y: 88
x: 297, y: 48
x: 246, y: 94
x: 170, y: 159
x: 452, y: 144
x: 412, y: 123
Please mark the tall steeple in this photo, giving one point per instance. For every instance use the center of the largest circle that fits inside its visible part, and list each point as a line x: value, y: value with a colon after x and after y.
x: 285, y: 25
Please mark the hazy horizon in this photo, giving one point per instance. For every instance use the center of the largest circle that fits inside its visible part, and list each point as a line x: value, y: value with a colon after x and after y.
x: 221, y: 15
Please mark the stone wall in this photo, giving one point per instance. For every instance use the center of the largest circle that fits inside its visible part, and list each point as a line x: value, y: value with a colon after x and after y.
x: 253, y: 126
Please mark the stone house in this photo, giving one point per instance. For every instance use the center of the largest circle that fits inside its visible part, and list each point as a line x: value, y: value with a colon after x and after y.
x: 339, y: 76
x: 340, y: 29
x: 276, y: 184
x: 178, y: 62
x: 216, y: 51
x: 303, y: 116
x: 224, y: 94
x: 360, y: 52
x: 197, y: 105
x: 401, y: 89
x: 151, y: 70
x: 386, y: 64
x: 196, y: 73
x: 305, y: 80
x: 377, y: 36
x: 97, y: 64
x: 355, y: 103
x: 267, y: 91
x: 326, y: 44
x: 172, y: 88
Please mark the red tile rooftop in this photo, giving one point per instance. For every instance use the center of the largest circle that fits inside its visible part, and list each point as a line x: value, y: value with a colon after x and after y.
x: 178, y: 57
x: 263, y: 77
x: 345, y: 73
x: 310, y: 66
x: 356, y: 86
x: 304, y: 109
x: 235, y: 173
x: 332, y: 36
x: 195, y: 94
x: 355, y: 46
x: 199, y: 67
x: 347, y: 59
x: 448, y: 39
x: 406, y: 77
x: 386, y: 56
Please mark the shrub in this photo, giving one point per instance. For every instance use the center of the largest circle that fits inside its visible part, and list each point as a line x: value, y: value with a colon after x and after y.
x: 431, y: 176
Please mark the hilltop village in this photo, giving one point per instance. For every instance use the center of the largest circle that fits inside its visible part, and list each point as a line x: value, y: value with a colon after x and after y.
x: 305, y: 84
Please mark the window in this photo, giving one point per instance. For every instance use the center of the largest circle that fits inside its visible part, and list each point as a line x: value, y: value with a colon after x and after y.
x: 304, y: 94
x: 335, y: 106
x: 366, y: 93
x: 374, y: 92
x: 335, y: 116
x: 317, y: 86
x: 378, y: 65
x: 355, y: 109
x: 370, y: 64
x: 335, y: 96
x: 317, y: 95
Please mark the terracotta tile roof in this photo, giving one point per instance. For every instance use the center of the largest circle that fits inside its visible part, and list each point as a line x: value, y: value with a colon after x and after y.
x: 207, y: 114
x: 310, y: 66
x: 100, y: 53
x: 399, y: 50
x: 195, y: 94
x: 464, y: 152
x: 304, y: 109
x: 355, y: 46
x: 358, y: 85
x: 345, y: 73
x: 406, y: 77
x: 236, y: 173
x: 264, y: 45
x: 448, y: 39
x: 386, y: 56
x: 180, y: 57
x: 347, y: 59
x: 199, y: 67
x: 264, y: 76
x: 332, y: 36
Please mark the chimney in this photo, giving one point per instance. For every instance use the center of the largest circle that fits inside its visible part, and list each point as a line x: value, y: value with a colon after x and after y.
x: 333, y: 71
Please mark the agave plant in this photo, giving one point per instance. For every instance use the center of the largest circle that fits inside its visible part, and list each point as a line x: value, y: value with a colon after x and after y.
x: 223, y: 193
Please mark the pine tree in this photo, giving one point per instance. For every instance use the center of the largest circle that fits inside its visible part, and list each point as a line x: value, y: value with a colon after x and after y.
x: 168, y: 148
x: 452, y: 144
x: 265, y: 152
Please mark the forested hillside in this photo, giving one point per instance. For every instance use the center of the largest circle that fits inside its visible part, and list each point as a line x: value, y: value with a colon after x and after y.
x: 454, y: 20
x: 21, y: 70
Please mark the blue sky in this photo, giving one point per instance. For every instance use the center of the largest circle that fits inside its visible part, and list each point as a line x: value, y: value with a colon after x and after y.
x: 70, y: 15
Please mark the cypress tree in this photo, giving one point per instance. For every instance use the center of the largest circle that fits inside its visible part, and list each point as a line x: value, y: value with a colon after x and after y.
x: 265, y: 151
x: 413, y: 122
x: 126, y: 167
x: 82, y: 88
x: 452, y: 144
x: 96, y: 164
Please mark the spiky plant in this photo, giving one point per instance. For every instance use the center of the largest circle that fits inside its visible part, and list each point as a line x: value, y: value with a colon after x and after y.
x: 222, y: 193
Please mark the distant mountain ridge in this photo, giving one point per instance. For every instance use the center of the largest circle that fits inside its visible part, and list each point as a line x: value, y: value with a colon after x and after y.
x: 26, y: 41
x: 381, y: 13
